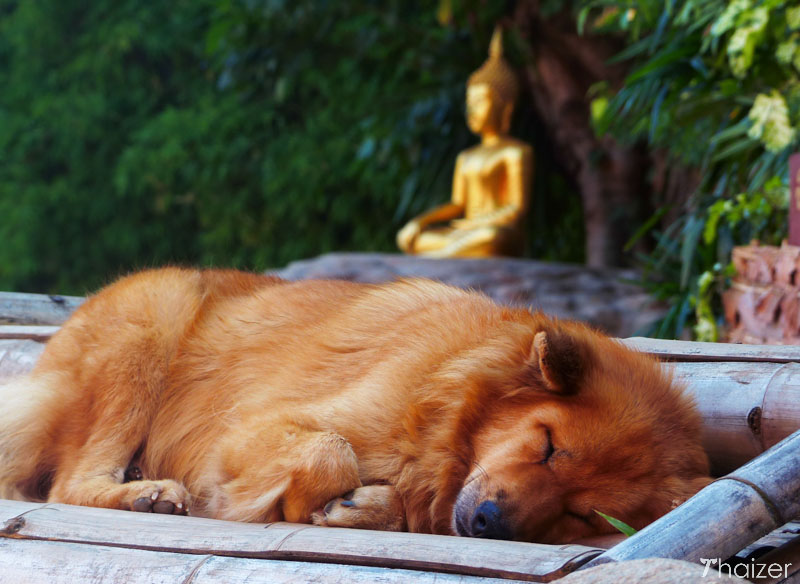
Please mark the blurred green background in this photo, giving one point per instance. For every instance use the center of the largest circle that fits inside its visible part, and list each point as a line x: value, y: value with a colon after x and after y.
x: 251, y: 133
x: 232, y: 133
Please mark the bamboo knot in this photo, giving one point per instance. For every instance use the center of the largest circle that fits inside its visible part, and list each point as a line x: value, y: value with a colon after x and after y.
x: 754, y: 420
x: 773, y: 509
x: 12, y: 526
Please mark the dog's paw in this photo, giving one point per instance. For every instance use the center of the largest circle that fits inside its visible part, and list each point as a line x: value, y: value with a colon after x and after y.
x: 371, y: 507
x: 167, y: 497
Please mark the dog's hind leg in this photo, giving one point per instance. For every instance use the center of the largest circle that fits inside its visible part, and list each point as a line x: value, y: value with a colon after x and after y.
x: 92, y: 473
x: 281, y: 472
x: 372, y: 507
x: 107, y: 422
x: 96, y: 478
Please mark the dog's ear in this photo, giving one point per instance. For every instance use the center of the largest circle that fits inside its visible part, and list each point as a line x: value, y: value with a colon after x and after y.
x: 560, y: 360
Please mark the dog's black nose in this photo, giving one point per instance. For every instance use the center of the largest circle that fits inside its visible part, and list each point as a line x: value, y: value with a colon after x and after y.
x: 487, y: 521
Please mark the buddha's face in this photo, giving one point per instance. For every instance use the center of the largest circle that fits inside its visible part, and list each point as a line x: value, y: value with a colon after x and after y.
x: 485, y: 110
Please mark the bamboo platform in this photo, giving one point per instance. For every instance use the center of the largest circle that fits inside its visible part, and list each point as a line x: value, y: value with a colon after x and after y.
x: 169, y: 548
x: 749, y: 397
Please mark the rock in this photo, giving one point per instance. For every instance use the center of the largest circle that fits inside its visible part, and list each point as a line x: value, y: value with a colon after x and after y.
x: 603, y: 298
x: 651, y: 571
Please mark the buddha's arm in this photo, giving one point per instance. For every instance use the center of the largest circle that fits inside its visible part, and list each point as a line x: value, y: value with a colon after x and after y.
x: 440, y: 214
x: 448, y: 211
x: 407, y: 236
x: 505, y: 215
x: 520, y: 173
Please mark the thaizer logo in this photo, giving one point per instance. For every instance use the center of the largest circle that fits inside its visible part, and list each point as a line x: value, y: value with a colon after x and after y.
x: 749, y: 570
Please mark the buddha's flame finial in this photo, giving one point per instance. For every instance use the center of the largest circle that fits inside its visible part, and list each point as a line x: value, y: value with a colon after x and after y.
x: 496, y: 45
x: 496, y: 72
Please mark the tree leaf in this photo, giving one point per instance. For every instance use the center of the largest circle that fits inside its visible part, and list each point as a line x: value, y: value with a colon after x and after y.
x: 620, y: 526
x: 660, y: 62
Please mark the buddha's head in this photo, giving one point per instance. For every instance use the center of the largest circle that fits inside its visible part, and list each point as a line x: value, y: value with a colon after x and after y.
x: 492, y: 92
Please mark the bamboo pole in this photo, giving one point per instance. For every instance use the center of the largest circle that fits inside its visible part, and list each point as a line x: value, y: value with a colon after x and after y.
x: 19, y: 308
x: 286, y: 541
x: 726, y: 516
x: 698, y: 351
x: 46, y: 562
x: 747, y: 407
x: 38, y: 333
x: 748, y: 395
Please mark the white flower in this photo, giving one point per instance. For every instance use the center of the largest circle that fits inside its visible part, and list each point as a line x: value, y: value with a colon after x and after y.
x: 740, y: 51
x: 793, y: 17
x: 727, y: 19
x: 785, y: 51
x: 771, y: 122
x: 744, y: 40
x: 705, y: 330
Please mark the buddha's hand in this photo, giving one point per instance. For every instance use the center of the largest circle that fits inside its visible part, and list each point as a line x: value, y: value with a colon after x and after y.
x: 407, y: 236
x: 466, y: 223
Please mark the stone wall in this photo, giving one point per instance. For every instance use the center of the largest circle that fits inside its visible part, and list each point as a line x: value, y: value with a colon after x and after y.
x: 762, y: 307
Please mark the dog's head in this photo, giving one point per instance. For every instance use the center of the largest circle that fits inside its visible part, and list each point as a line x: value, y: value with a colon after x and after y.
x: 583, y: 425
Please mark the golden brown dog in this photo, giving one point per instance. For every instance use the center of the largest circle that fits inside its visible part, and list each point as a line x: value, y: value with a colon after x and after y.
x: 409, y: 405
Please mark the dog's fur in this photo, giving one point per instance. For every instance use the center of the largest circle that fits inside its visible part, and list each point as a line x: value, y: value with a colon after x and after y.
x: 254, y: 399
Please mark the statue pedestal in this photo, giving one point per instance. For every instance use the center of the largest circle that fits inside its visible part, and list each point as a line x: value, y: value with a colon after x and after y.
x: 598, y: 297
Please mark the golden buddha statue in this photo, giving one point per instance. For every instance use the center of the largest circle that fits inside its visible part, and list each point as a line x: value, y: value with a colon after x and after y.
x: 491, y: 181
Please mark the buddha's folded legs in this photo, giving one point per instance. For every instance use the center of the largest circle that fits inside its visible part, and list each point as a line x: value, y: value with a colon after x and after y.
x: 483, y: 241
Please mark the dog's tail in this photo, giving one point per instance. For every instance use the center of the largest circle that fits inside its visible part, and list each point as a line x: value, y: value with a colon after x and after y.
x: 26, y: 408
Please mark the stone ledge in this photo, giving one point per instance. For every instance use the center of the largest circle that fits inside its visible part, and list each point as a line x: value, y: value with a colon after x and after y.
x: 604, y: 298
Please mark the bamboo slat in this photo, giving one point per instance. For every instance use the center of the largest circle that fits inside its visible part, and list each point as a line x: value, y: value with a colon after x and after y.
x: 727, y: 515
x: 38, y: 333
x: 19, y: 308
x: 787, y: 555
x: 696, y: 351
x: 46, y: 562
x: 18, y: 357
x: 285, y: 541
x: 777, y: 538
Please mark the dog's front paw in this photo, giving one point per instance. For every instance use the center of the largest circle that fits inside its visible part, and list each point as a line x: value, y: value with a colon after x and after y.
x: 371, y: 507
x: 167, y: 497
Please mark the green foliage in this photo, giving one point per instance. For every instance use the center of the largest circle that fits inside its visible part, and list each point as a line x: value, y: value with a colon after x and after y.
x: 79, y: 81
x: 693, y: 263
x: 232, y: 132
x: 239, y: 133
x: 715, y: 84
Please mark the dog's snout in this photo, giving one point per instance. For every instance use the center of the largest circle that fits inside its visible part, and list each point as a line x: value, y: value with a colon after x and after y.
x: 487, y: 522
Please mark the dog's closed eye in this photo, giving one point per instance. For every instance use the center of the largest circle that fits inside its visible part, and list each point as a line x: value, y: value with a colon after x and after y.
x: 584, y: 518
x: 549, y: 448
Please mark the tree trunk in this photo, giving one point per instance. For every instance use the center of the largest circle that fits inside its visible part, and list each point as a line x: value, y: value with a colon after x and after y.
x: 612, y: 178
